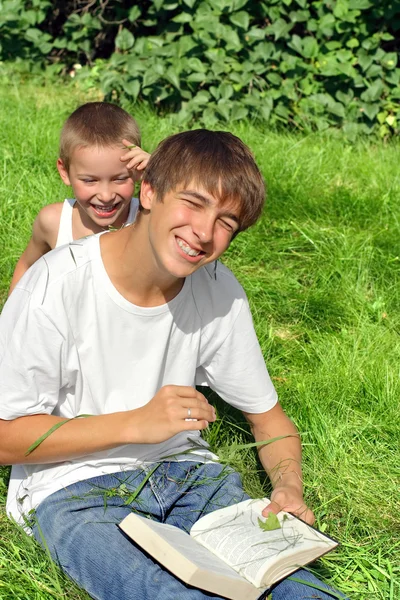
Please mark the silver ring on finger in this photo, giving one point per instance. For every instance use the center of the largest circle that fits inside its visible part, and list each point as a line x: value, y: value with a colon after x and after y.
x: 189, y: 413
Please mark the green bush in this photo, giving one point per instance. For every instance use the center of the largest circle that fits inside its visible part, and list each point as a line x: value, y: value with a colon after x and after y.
x: 308, y: 64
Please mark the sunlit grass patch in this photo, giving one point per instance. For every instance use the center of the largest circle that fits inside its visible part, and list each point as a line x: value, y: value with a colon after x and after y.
x: 321, y: 270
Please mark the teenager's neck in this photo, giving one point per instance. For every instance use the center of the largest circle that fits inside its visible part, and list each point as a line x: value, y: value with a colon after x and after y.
x: 133, y: 270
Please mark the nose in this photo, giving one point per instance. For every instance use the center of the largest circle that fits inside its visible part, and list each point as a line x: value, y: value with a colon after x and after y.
x: 203, y: 227
x: 105, y: 193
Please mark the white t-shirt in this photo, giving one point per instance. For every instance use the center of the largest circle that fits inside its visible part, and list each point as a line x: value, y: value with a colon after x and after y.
x: 70, y: 344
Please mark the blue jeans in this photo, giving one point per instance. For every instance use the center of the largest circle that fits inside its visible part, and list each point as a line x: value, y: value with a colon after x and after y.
x: 79, y: 526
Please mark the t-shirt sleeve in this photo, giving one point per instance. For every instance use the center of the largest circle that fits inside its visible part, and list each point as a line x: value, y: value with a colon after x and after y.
x: 31, y: 358
x: 237, y: 370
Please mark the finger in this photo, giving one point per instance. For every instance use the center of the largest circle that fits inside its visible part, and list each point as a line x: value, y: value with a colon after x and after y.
x: 273, y: 507
x: 135, y: 164
x: 198, y: 413
x: 197, y: 425
x: 186, y: 391
x: 129, y: 144
x: 142, y: 165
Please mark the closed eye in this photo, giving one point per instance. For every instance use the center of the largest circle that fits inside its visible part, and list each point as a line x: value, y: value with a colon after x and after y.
x: 191, y: 203
x: 228, y: 225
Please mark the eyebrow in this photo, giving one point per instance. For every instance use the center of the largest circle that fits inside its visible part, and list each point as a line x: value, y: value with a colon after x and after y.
x: 207, y: 202
x: 84, y: 174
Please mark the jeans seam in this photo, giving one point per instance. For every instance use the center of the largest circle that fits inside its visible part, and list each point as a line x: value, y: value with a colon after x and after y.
x: 153, y: 486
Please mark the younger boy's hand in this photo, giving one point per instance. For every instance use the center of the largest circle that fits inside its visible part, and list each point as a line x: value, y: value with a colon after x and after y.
x: 136, y: 158
x: 291, y: 500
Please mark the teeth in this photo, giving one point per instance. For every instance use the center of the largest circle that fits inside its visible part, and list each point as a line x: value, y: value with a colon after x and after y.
x: 187, y: 249
x: 104, y: 208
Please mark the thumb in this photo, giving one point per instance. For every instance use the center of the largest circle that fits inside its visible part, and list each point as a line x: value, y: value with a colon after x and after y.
x: 273, y: 507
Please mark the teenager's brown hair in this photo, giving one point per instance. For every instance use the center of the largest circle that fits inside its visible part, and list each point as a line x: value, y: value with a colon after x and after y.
x: 217, y: 161
x: 98, y: 124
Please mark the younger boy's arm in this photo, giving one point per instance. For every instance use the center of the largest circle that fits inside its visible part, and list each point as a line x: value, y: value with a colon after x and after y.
x: 44, y: 237
x: 281, y: 460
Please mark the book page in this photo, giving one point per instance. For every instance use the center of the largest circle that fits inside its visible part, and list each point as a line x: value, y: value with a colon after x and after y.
x: 189, y: 548
x: 234, y: 534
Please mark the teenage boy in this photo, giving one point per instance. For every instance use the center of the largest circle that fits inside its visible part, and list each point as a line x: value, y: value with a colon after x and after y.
x: 94, y: 161
x: 121, y: 327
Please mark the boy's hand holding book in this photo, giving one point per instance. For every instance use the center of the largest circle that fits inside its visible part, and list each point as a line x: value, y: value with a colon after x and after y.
x: 231, y: 552
x: 290, y: 499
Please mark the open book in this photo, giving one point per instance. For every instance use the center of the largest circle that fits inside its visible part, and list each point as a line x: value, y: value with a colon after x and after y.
x: 227, y: 552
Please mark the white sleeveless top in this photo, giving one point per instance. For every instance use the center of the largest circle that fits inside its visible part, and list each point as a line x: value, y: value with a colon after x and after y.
x: 65, y: 228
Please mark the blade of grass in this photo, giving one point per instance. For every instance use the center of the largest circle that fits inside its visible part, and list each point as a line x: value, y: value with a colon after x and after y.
x: 43, y: 437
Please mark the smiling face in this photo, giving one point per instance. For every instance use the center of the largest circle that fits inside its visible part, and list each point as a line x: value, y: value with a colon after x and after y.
x: 102, y: 185
x: 189, y: 228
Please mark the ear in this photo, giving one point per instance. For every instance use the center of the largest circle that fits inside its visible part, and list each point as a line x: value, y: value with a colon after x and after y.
x: 147, y: 195
x: 63, y: 172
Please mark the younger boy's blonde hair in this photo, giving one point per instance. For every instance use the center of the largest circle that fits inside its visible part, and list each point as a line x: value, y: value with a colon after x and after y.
x: 98, y: 124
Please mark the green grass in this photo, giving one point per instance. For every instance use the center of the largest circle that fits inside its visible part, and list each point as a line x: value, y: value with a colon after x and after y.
x: 321, y: 270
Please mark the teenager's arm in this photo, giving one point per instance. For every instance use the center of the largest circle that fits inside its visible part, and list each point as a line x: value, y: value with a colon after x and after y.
x: 44, y: 236
x: 163, y: 417
x: 281, y: 460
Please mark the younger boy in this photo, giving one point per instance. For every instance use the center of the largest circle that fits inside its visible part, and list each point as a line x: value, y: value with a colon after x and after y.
x: 90, y: 161
x: 121, y: 327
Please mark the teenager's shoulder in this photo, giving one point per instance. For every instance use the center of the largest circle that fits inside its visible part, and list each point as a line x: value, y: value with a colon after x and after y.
x: 216, y: 292
x: 217, y: 279
x: 55, y: 267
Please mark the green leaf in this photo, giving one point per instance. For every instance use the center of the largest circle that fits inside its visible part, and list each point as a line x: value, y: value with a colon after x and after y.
x: 124, y: 39
x: 390, y: 60
x: 336, y: 108
x: 150, y: 77
x: 226, y: 91
x: 353, y: 43
x: 299, y: 16
x: 189, y: 3
x: 371, y: 110
x: 280, y: 28
x: 232, y: 39
x: 238, y: 4
x: 359, y: 4
x: 173, y: 77
x: 223, y: 109
x: 270, y: 524
x: 345, y: 98
x: 196, y: 77
x: 374, y: 91
x: 134, y: 14
x: 296, y: 44
x: 183, y: 17
x: 238, y: 112
x: 195, y: 64
x: 364, y: 60
x: 132, y: 88
x: 255, y: 34
x: 310, y: 47
x: 240, y: 19
x: 274, y: 78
